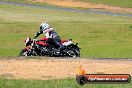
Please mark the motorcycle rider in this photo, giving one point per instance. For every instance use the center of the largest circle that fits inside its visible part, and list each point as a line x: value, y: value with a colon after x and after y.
x: 50, y: 34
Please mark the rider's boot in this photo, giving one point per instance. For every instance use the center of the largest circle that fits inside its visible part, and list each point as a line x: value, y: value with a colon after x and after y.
x: 60, y: 48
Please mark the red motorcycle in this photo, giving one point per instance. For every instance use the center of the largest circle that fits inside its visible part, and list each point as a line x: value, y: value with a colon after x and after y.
x: 43, y: 47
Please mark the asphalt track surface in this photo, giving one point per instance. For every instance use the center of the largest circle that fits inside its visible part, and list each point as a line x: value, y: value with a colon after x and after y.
x: 88, y: 11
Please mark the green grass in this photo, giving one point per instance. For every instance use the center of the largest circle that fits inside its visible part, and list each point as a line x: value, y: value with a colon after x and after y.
x: 60, y: 83
x: 99, y: 36
x: 120, y: 3
x: 21, y: 1
x: 28, y: 2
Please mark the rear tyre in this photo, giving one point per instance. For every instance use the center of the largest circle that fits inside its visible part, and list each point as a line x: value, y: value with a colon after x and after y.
x: 73, y: 53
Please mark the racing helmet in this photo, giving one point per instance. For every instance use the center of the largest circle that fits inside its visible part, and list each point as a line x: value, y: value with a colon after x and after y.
x: 44, y: 26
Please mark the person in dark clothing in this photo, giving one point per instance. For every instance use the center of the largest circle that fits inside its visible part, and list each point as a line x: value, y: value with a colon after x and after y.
x: 53, y: 37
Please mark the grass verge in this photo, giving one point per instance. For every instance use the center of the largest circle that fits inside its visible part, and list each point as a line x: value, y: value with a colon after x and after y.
x: 119, y: 3
x: 60, y: 83
x: 99, y: 36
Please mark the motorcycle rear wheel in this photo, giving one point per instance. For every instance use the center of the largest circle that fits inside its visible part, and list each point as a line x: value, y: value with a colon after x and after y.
x: 73, y: 53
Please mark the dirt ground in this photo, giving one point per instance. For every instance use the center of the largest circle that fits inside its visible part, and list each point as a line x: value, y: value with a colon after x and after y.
x: 54, y: 68
x: 72, y: 3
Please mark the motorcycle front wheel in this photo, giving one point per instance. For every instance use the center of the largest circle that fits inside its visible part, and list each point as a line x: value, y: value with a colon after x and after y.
x: 23, y: 52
